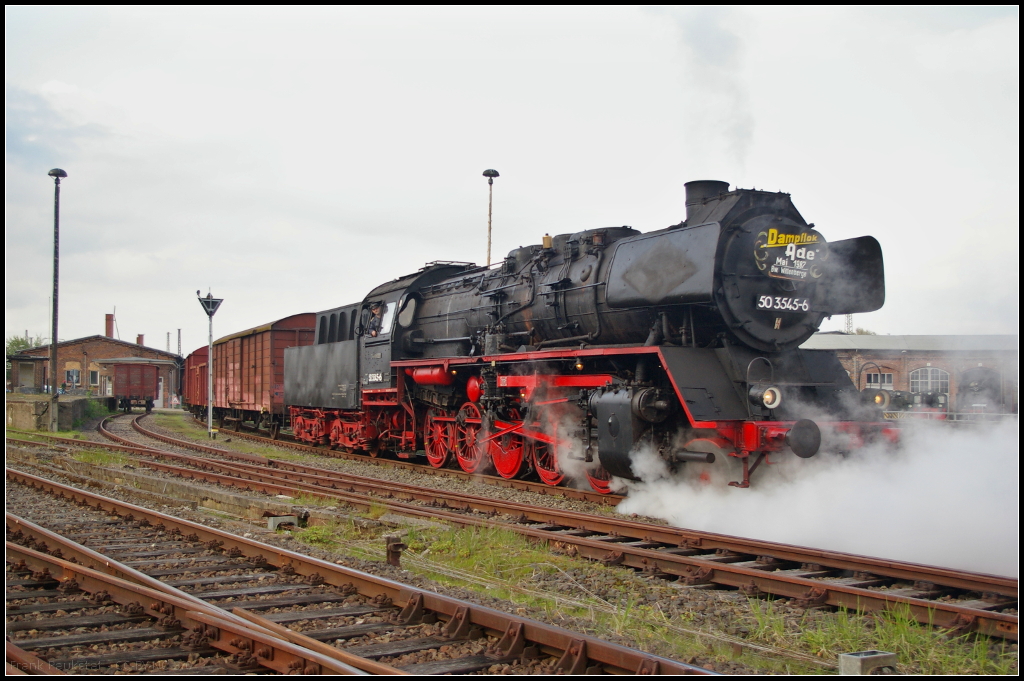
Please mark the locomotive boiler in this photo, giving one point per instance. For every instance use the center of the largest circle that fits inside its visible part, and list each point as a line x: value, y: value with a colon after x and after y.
x: 573, y: 355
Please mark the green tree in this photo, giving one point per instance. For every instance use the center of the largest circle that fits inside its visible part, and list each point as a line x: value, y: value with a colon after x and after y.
x: 864, y: 332
x: 16, y: 344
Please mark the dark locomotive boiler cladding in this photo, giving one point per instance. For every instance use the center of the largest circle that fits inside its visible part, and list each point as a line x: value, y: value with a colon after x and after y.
x: 572, y: 354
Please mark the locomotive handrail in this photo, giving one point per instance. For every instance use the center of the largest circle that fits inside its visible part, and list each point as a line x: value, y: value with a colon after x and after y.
x: 574, y: 288
x: 771, y: 377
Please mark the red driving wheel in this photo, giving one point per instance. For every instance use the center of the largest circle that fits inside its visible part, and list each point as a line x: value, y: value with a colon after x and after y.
x: 437, y: 438
x: 545, y: 461
x: 469, y: 452
x: 508, y: 451
x: 600, y: 480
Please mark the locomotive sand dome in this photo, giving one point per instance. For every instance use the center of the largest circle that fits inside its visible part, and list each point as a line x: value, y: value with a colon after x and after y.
x: 589, y: 345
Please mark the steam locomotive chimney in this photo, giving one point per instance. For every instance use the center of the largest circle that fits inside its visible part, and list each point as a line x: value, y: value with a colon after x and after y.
x: 699, y: 191
x: 110, y: 326
x: 138, y: 340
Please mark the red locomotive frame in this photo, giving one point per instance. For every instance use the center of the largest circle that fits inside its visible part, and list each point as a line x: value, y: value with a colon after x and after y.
x: 389, y: 420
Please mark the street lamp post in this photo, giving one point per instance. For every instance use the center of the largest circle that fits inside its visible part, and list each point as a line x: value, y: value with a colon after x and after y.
x: 210, y: 305
x: 490, y: 174
x: 56, y: 174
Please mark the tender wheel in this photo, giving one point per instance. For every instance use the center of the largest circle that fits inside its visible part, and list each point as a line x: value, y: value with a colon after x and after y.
x: 508, y: 451
x: 600, y: 480
x: 542, y: 456
x: 438, y: 438
x: 470, y: 453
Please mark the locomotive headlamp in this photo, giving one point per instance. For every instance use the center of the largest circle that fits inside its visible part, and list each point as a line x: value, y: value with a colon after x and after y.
x: 767, y: 396
x: 579, y: 366
x: 878, y: 398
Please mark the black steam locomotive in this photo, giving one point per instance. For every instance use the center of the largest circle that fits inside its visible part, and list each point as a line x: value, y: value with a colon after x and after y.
x: 575, y: 354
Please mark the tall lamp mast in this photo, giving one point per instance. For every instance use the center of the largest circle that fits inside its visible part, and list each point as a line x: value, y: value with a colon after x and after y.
x: 56, y: 174
x: 490, y: 174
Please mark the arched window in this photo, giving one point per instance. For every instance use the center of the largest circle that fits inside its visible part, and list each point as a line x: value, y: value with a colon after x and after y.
x: 929, y: 380
x: 322, y: 338
x: 332, y: 334
x: 342, y: 327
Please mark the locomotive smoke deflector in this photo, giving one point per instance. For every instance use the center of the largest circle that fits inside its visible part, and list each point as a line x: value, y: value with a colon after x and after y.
x: 856, y: 277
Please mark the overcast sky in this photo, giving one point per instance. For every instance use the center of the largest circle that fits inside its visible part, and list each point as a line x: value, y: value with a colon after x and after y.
x: 290, y: 160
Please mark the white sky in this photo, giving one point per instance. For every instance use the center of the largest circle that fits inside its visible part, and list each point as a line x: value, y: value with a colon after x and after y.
x: 291, y: 160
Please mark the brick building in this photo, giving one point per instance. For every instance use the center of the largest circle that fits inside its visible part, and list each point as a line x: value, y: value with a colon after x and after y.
x: 920, y: 364
x: 85, y: 365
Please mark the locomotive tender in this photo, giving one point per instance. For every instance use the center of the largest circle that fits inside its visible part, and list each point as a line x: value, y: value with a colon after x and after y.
x: 574, y: 354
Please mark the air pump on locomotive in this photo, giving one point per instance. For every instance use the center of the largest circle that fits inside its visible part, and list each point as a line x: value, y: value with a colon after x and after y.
x: 574, y: 354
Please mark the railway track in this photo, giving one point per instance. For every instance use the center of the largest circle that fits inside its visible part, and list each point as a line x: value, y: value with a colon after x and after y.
x: 95, y: 582
x: 519, y: 484
x: 960, y: 600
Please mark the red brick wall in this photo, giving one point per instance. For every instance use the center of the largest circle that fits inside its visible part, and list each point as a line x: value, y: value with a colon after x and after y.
x: 84, y: 353
x: 901, y: 364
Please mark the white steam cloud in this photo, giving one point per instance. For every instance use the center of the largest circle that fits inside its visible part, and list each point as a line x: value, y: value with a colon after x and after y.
x: 948, y: 496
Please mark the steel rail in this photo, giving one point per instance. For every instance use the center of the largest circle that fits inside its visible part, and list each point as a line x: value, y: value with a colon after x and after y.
x: 762, y: 575
x: 174, y: 612
x: 320, y: 479
x: 82, y: 555
x: 575, y: 649
x: 87, y: 557
x: 24, y: 662
x: 679, y: 553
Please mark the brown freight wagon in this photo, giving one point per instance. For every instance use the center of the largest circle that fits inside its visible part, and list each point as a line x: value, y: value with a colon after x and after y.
x: 194, y: 381
x: 248, y: 370
x: 136, y: 385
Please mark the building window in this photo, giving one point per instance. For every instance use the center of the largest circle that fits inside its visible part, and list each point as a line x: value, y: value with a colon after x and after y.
x: 880, y: 381
x: 929, y: 380
x: 71, y: 376
x: 94, y: 378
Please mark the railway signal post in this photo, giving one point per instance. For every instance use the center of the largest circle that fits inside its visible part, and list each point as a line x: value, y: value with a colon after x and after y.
x: 210, y: 305
x: 56, y: 174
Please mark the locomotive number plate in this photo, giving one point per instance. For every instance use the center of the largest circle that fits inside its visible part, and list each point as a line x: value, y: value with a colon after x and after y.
x: 783, y: 304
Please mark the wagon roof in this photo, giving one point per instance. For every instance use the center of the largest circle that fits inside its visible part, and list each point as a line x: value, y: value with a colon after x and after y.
x: 269, y: 326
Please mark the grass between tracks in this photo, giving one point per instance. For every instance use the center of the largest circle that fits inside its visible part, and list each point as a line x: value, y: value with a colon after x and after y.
x: 180, y: 426
x: 760, y: 635
x: 100, y: 458
x: 921, y: 649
